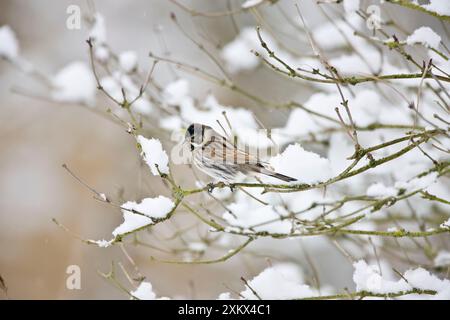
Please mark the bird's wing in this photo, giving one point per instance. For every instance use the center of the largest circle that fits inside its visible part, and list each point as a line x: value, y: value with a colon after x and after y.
x: 221, y: 149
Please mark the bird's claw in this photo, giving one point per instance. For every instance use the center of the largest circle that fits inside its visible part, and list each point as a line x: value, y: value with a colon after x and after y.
x: 211, y: 187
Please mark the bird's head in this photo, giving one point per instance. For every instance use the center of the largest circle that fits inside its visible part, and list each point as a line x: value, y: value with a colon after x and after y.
x: 197, y: 134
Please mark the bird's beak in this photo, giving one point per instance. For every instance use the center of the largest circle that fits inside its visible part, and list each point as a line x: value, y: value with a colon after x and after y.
x: 185, y: 142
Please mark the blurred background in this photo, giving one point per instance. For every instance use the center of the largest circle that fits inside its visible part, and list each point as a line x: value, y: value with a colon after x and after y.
x: 37, y: 137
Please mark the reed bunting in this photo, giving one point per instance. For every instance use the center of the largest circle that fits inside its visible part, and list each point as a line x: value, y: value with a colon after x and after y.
x: 216, y: 156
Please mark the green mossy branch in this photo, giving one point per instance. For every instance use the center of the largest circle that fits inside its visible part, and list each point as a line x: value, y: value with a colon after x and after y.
x: 413, y: 6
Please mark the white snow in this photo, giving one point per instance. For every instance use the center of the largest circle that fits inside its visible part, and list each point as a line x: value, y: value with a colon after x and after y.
x: 148, y: 208
x: 175, y: 93
x: 102, y: 243
x: 341, y: 148
x: 237, y: 54
x: 171, y: 123
x: 299, y: 201
x: 208, y: 113
x: 351, y: 5
x: 238, y: 117
x: 306, y: 166
x: 101, y: 53
x: 224, y: 296
x: 442, y: 259
x: 417, y: 183
x: 441, y: 7
x: 422, y: 279
x: 445, y: 224
x: 368, y: 278
x: 328, y: 36
x: 128, y: 61
x: 251, y: 214
x: 132, y: 221
x: 299, y: 116
x: 425, y: 36
x: 365, y: 109
x: 251, y: 3
x: 334, y: 35
x: 144, y: 291
x: 379, y: 190
x: 98, y: 29
x: 111, y: 85
x: 116, y: 82
x: 220, y: 194
x: 282, y: 281
x: 151, y: 207
x: 259, y: 140
x: 9, y: 46
x: 154, y: 155
x: 74, y: 83
x: 197, y: 246
x: 141, y: 105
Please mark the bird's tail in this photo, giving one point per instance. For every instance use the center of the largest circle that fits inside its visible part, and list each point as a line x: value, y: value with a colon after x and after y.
x: 277, y: 175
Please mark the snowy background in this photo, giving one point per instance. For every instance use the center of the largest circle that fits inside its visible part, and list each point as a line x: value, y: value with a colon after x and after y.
x: 43, y: 128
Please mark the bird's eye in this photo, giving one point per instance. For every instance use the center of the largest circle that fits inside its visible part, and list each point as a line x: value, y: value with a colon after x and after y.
x: 190, y: 130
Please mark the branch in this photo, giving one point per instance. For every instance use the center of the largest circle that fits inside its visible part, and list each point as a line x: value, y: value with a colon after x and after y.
x: 230, y: 254
x: 352, y: 80
x: 411, y: 5
x: 347, y: 173
x: 364, y: 294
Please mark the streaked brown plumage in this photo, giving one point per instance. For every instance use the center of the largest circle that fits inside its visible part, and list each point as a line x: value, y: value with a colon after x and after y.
x: 213, y: 154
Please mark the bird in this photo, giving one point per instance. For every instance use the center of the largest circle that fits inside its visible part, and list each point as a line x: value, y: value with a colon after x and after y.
x: 219, y: 158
